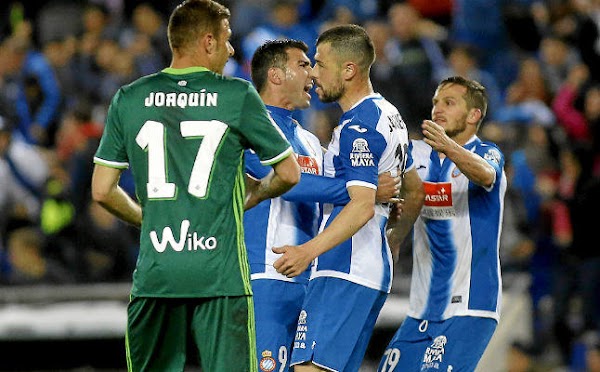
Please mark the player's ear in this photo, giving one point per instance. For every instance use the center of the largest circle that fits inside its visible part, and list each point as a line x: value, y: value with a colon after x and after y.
x: 349, y: 70
x: 275, y: 75
x: 474, y: 115
x: 209, y: 43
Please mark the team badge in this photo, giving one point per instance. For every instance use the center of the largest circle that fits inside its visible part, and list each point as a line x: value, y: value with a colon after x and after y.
x: 267, y: 363
x: 492, y: 155
x: 361, y: 156
x: 302, y: 317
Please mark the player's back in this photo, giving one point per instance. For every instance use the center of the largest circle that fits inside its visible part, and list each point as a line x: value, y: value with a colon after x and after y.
x: 184, y: 136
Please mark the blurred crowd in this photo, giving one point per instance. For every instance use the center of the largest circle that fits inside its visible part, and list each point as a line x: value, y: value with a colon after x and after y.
x: 61, y: 63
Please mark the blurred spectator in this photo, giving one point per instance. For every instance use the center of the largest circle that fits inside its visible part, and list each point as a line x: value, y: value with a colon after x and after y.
x: 418, y: 63
x: 463, y: 61
x: 578, y: 122
x: 586, y: 36
x: 516, y: 243
x: 98, y: 23
x: 382, y: 70
x: 23, y: 173
x: 481, y: 23
x: 146, y: 40
x: 527, y: 98
x: 557, y: 57
x: 115, y: 69
x: 59, y: 20
x: 535, y: 156
x: 577, y: 274
x: 36, y: 94
x: 60, y: 54
x: 28, y: 265
x: 76, y: 142
x: 284, y: 22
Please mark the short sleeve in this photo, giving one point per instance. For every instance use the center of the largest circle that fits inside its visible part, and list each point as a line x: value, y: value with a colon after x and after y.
x: 361, y: 148
x: 262, y: 134
x: 492, y: 154
x: 111, y: 150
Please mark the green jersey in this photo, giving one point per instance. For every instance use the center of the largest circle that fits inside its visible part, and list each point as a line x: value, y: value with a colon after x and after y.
x: 183, y: 132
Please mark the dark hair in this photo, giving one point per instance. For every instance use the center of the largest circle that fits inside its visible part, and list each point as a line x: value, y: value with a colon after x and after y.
x: 476, y: 96
x: 350, y: 42
x: 193, y: 18
x: 272, y: 53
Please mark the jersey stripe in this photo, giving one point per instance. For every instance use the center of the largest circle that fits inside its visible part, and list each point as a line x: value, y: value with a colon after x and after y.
x: 238, y: 208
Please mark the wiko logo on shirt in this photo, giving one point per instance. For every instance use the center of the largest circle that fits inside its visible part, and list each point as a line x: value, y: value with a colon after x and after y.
x: 186, y: 238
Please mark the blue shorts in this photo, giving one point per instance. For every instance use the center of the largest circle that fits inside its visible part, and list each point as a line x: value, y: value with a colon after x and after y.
x: 455, y: 344
x: 277, y: 305
x: 336, y: 323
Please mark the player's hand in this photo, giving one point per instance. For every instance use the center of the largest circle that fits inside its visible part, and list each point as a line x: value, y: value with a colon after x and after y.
x: 435, y: 136
x: 294, y: 260
x: 388, y: 188
x: 251, y: 193
x: 396, y: 212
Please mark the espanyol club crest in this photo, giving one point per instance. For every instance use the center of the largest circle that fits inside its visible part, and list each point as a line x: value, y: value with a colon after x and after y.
x: 267, y: 363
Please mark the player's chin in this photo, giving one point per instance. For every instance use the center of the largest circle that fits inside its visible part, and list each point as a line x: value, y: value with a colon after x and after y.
x: 304, y: 105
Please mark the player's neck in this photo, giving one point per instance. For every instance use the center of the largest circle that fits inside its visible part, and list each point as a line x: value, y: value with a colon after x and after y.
x: 355, y: 93
x: 185, y: 61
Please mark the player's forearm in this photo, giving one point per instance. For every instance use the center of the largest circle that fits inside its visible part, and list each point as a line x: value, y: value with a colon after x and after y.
x: 318, y: 189
x: 351, y: 219
x: 473, y: 166
x: 119, y: 203
x: 284, y: 176
x: 414, y: 196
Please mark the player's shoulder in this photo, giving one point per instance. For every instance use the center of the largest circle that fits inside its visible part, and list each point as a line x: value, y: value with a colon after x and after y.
x: 483, y: 146
x: 235, y: 83
x: 490, y: 151
x: 306, y: 133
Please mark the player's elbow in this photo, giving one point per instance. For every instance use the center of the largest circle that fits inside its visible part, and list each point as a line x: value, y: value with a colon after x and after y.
x: 367, y: 210
x: 100, y: 195
x: 488, y: 178
x: 288, y: 171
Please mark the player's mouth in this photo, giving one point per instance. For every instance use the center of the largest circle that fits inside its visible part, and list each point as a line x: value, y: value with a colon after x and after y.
x: 307, y: 89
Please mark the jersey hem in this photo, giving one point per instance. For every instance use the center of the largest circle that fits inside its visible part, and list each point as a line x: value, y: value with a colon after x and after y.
x: 281, y: 278
x: 361, y: 183
x: 316, y: 364
x: 111, y: 164
x: 355, y: 280
x: 278, y: 158
x: 473, y: 313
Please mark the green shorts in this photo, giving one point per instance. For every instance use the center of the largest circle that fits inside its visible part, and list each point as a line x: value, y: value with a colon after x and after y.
x: 160, y: 329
